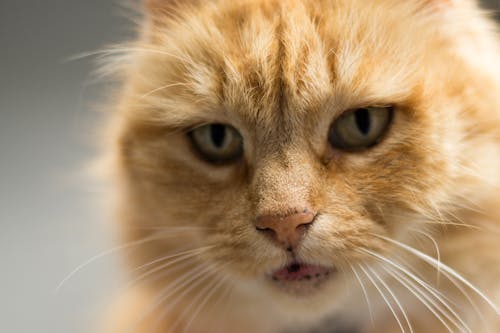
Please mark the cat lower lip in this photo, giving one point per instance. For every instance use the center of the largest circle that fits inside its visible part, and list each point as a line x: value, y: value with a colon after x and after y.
x: 298, y: 272
x: 301, y: 278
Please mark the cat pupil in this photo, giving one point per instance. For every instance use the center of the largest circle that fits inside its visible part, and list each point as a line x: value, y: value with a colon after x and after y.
x: 218, y: 135
x: 363, y: 120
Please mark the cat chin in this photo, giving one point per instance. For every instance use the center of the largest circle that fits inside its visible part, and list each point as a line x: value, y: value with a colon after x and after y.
x: 300, y: 285
x: 308, y: 298
x: 310, y: 307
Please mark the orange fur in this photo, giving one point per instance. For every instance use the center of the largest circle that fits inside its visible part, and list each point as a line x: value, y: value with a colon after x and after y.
x: 280, y: 72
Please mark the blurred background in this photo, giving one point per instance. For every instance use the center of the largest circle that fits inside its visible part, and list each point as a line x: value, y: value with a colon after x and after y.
x: 49, y: 217
x: 49, y: 214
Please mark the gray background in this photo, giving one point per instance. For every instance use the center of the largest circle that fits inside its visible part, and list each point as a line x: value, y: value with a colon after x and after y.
x: 50, y: 222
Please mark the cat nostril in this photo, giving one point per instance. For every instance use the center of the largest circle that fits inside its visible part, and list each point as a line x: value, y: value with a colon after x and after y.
x: 267, y: 231
x: 303, y: 227
x: 288, y: 230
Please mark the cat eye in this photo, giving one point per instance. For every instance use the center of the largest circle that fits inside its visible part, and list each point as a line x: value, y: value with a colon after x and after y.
x: 360, y: 128
x: 217, y: 143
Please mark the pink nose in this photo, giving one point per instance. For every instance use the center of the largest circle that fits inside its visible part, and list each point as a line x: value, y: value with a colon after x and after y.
x: 287, y: 230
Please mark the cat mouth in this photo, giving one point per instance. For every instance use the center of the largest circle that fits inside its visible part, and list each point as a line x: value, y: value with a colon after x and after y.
x: 301, y: 279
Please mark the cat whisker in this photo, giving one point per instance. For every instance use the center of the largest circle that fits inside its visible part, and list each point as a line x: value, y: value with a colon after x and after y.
x: 398, y: 303
x: 384, y: 297
x: 425, y: 217
x: 435, y: 293
x: 207, y: 288
x: 170, y: 270
x: 469, y: 299
x: 423, y: 297
x: 102, y: 255
x: 229, y: 299
x: 446, y: 223
x: 210, y: 270
x: 180, y: 257
x: 172, y: 228
x: 436, y: 246
x: 210, y: 290
x: 228, y: 289
x: 177, y: 284
x: 365, y: 293
x: 189, y: 252
x: 433, y: 262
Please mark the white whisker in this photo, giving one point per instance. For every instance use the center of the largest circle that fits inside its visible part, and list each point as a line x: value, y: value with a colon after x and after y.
x: 384, y: 298
x: 398, y: 303
x: 178, y: 283
x: 365, y: 293
x: 423, y: 297
x: 469, y: 299
x: 208, y: 288
x: 188, y: 253
x: 453, y: 224
x: 101, y: 255
x: 433, y: 262
x: 435, y: 293
x: 436, y: 246
x: 210, y: 272
x: 212, y: 288
x: 166, y: 267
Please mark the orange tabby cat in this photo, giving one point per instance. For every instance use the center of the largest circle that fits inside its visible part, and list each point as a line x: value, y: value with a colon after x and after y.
x: 310, y: 166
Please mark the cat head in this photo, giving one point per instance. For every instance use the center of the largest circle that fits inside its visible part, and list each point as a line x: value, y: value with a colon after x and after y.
x: 279, y: 142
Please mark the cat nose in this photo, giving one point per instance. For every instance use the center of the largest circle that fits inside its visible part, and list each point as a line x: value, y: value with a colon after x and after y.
x: 286, y: 230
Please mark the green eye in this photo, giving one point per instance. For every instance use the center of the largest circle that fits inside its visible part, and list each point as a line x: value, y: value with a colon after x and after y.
x: 360, y: 128
x: 217, y: 143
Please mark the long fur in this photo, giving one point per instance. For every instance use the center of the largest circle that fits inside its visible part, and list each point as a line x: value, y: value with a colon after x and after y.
x: 281, y: 72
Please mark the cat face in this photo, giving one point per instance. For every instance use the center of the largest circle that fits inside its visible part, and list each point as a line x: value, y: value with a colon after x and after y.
x: 280, y: 138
